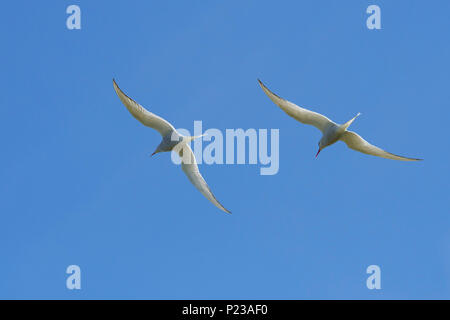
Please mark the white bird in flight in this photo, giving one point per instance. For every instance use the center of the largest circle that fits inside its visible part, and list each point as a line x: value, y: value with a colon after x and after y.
x: 171, y: 140
x: 332, y: 132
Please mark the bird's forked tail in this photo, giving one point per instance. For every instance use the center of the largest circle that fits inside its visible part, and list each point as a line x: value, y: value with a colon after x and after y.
x: 348, y: 123
x: 189, y: 139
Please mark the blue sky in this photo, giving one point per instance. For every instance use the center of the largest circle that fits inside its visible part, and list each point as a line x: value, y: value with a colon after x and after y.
x: 78, y: 185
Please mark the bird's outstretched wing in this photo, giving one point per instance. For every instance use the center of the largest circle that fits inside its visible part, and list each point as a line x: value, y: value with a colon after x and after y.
x: 355, y: 142
x: 144, y: 116
x: 298, y: 113
x: 190, y: 168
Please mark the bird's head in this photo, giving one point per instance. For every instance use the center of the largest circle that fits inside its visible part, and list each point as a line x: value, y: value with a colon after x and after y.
x: 158, y: 150
x: 321, y: 146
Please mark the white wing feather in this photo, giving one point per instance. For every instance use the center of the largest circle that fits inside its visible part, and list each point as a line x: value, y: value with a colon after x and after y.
x: 190, y: 168
x: 144, y: 116
x: 298, y: 113
x: 355, y: 142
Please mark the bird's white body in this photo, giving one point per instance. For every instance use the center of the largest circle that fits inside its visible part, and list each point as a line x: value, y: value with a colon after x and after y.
x: 331, y: 135
x: 171, y: 141
x: 332, y: 132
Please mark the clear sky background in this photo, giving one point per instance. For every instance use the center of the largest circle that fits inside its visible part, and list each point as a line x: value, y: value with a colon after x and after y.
x: 78, y: 186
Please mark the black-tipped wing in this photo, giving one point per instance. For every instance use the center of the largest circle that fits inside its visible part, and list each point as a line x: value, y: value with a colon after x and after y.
x: 144, y: 116
x: 298, y: 113
x: 355, y: 142
x: 190, y: 168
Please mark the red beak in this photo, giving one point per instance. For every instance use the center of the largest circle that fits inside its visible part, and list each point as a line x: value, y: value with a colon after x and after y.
x: 318, y: 152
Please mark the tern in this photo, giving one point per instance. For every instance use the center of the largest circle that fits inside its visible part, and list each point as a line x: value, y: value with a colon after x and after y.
x: 171, y: 140
x: 332, y: 132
